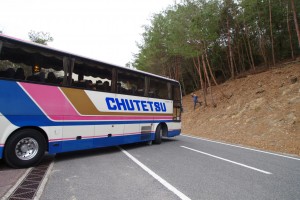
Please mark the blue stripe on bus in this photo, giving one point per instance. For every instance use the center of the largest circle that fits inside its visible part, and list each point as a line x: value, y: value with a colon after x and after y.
x: 16, y: 101
x: 74, y: 145
x: 1, y: 152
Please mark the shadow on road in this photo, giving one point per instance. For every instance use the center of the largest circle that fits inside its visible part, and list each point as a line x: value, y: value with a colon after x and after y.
x: 165, y: 141
x: 85, y: 153
x: 3, y: 166
x: 105, y: 150
x: 91, y: 152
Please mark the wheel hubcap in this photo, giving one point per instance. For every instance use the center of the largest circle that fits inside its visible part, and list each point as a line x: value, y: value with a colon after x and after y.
x: 26, y: 148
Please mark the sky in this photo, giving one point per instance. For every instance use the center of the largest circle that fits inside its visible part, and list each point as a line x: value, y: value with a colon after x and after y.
x: 105, y: 30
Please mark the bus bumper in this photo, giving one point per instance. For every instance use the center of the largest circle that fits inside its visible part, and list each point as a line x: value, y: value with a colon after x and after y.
x: 1, y: 151
x: 173, y: 133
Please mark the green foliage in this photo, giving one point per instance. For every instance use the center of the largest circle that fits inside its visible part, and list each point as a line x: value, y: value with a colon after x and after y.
x: 193, y: 27
x: 40, y: 37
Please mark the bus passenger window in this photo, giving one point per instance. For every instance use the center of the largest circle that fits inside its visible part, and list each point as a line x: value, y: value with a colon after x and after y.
x: 51, y: 78
x: 130, y: 83
x: 93, y: 77
x: 20, y: 74
x: 10, y: 73
x: 158, y: 89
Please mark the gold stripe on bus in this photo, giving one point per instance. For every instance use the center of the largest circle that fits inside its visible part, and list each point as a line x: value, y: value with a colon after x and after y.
x: 83, y: 104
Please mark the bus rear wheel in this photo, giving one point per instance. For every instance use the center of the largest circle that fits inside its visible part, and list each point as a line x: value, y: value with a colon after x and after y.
x: 25, y: 148
x: 158, y: 134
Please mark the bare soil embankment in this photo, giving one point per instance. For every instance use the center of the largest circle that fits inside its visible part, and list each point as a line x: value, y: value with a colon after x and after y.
x: 260, y: 110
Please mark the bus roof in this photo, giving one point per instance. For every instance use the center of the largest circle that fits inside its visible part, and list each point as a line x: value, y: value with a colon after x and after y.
x: 56, y: 51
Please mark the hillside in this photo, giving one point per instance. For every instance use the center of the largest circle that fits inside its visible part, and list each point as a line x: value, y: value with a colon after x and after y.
x: 261, y: 111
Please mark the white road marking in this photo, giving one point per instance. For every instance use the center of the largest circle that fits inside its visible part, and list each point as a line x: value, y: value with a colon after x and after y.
x: 154, y: 175
x: 275, y: 154
x: 240, y: 164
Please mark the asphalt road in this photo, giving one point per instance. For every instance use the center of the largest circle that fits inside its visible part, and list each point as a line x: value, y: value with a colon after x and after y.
x: 179, y: 168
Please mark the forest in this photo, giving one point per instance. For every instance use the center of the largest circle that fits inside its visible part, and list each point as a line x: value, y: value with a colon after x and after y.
x: 206, y: 42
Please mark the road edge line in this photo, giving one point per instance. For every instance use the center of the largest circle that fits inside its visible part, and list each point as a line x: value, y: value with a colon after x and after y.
x: 237, y: 146
x: 227, y: 160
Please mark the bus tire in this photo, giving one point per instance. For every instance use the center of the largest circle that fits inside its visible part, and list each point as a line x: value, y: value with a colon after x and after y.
x: 158, y: 134
x: 25, y: 148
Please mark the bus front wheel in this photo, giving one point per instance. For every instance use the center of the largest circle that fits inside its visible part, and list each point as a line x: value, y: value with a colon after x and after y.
x: 158, y: 134
x: 25, y: 148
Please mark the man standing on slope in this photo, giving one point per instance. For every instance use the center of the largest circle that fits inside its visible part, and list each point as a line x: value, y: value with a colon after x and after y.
x: 195, y: 99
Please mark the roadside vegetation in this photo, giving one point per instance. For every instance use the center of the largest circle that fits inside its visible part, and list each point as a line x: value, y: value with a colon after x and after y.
x: 206, y: 42
x: 242, y: 60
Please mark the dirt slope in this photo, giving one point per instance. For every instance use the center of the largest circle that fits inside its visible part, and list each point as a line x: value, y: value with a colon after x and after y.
x: 263, y: 111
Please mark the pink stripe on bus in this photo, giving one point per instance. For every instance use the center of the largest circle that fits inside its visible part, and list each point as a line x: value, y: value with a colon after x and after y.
x: 52, y: 102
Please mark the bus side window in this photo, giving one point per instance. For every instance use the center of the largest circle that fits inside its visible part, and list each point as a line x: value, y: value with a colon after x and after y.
x: 158, y: 89
x: 93, y: 77
x: 176, y: 95
x: 20, y: 74
x: 10, y: 73
x: 130, y: 83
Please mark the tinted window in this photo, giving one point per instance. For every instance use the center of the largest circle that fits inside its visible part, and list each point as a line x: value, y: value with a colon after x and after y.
x: 158, y: 89
x: 92, y: 77
x: 130, y: 83
x: 24, y: 63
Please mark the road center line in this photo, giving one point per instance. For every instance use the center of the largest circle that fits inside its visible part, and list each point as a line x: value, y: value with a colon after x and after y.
x: 275, y: 154
x: 154, y: 175
x: 240, y: 164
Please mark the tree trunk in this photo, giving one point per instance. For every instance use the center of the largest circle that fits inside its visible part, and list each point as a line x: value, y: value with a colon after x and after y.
x: 198, y: 67
x: 263, y: 50
x: 235, y: 67
x: 183, y: 86
x: 193, y: 75
x: 229, y: 48
x: 204, y: 89
x: 289, y: 30
x: 249, y: 49
x: 243, y: 58
x: 241, y: 64
x: 213, y: 77
x: 262, y: 45
x: 271, y: 30
x: 246, y: 48
x: 238, y: 62
x: 296, y: 21
x: 208, y: 80
x: 210, y: 71
x: 177, y: 68
x: 250, y: 54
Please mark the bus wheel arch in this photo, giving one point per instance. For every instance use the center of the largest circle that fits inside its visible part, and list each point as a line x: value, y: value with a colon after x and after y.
x: 25, y: 147
x: 161, y: 131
